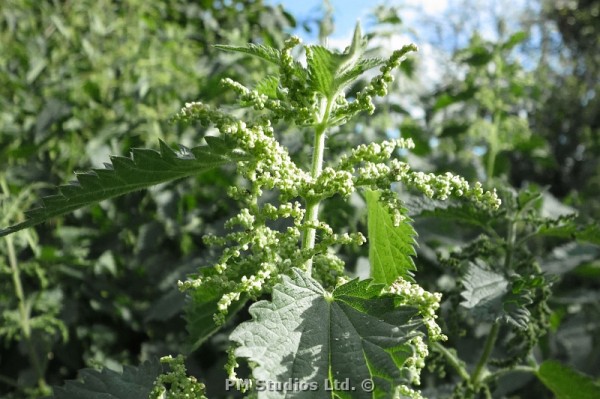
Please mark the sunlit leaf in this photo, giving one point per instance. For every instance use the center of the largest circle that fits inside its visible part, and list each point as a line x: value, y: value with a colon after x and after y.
x: 391, y: 248
x: 331, y: 71
x: 567, y: 383
x: 257, y: 50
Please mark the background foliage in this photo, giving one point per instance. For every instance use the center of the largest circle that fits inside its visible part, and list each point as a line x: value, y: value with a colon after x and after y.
x: 97, y: 288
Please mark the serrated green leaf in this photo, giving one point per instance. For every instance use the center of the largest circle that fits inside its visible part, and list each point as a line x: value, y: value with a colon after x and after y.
x: 268, y: 86
x: 391, y: 248
x: 347, y: 76
x: 308, y: 335
x: 145, y: 168
x: 567, y: 383
x: 330, y: 71
x: 322, y: 67
x: 589, y: 233
x: 132, y: 383
x: 461, y: 212
x: 257, y: 50
x: 483, y: 293
x: 490, y: 296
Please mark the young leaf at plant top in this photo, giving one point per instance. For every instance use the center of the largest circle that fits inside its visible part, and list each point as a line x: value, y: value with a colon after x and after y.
x: 391, y: 245
x: 330, y: 72
x: 357, y: 332
x: 145, y: 168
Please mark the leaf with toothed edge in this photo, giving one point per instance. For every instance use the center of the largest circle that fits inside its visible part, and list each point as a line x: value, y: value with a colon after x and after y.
x: 313, y: 337
x: 330, y: 71
x: 132, y: 383
x: 143, y: 169
x: 257, y: 50
x: 391, y: 248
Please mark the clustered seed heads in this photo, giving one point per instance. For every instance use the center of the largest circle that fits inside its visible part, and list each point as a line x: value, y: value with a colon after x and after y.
x: 376, y: 88
x: 254, y: 254
x: 264, y: 239
x: 176, y: 384
x: 428, y: 303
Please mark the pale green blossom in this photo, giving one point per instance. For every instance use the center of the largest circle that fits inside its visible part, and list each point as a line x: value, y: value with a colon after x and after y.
x: 428, y: 303
x: 266, y: 239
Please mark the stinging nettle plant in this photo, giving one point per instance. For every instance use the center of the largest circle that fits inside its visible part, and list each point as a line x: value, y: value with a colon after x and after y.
x: 319, y: 325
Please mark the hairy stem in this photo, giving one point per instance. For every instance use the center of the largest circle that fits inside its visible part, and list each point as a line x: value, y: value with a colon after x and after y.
x: 511, y: 239
x: 487, y: 351
x: 452, y: 359
x: 312, y: 206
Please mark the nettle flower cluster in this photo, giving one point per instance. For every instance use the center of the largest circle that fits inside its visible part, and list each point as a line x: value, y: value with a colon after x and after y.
x: 273, y: 233
x: 274, y: 250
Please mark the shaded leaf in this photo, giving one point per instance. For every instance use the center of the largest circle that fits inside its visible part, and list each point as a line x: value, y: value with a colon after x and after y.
x: 311, y: 336
x: 461, y: 212
x: 132, y: 383
x: 145, y: 168
x: 391, y: 248
x: 483, y: 293
x: 446, y: 99
x: 477, y: 56
x: 169, y: 305
x: 200, y: 309
x: 490, y: 296
x: 571, y: 230
x: 454, y: 128
x: 567, y: 257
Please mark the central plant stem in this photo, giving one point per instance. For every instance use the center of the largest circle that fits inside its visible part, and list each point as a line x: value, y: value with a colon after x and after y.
x: 312, y: 205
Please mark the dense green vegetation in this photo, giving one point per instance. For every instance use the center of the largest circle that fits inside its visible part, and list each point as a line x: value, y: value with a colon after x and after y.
x: 96, y: 285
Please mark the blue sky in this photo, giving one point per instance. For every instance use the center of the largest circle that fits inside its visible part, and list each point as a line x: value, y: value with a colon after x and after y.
x: 346, y: 12
x: 416, y: 14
